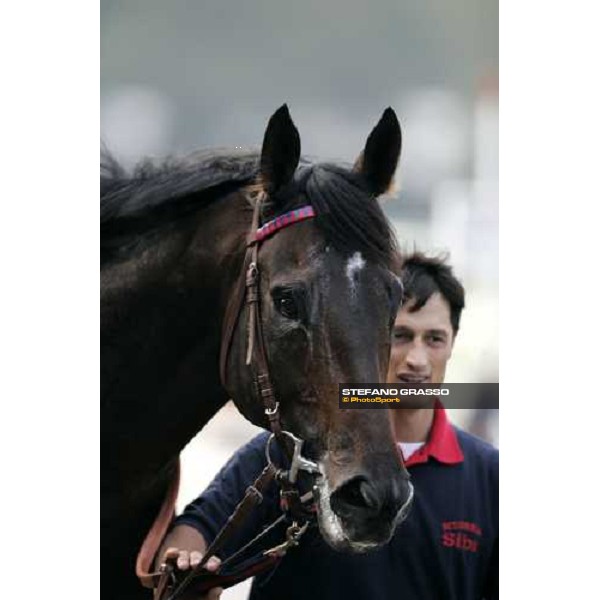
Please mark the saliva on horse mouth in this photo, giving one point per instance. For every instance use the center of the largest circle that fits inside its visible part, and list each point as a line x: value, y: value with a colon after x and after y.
x: 405, y: 508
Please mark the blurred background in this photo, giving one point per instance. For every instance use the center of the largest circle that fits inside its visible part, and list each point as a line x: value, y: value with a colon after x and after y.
x: 183, y: 75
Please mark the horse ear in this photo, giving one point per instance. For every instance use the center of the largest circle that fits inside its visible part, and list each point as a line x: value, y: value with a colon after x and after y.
x: 378, y: 161
x: 280, y: 151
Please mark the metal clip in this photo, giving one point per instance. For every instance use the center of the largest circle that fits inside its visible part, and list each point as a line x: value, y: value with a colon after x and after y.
x: 294, y: 533
x: 292, y: 538
x: 299, y: 463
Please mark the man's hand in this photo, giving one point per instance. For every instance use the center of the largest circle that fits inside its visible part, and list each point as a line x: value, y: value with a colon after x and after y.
x: 184, y: 548
x: 185, y: 559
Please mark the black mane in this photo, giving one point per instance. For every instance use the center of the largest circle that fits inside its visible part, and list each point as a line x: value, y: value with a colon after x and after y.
x: 151, y: 185
x: 133, y: 206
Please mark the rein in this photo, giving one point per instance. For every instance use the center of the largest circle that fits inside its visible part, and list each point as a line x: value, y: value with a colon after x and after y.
x: 297, y: 508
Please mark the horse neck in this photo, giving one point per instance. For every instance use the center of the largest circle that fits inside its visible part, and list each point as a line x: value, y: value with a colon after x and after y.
x: 161, y: 327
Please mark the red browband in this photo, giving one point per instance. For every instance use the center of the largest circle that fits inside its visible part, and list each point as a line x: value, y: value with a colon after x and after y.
x: 289, y: 218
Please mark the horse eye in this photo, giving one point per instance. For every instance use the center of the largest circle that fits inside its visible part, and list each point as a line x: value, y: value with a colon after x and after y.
x: 285, y: 304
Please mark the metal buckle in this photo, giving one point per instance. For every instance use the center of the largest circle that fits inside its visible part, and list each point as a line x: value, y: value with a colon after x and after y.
x: 251, y: 274
x: 271, y: 411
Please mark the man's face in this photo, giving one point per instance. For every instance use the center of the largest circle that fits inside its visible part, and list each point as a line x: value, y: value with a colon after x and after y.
x: 421, y: 343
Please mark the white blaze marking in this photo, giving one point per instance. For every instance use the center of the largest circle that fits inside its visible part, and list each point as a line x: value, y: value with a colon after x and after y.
x: 355, y: 263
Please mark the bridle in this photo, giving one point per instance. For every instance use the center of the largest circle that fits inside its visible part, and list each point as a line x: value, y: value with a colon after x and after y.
x: 248, y: 289
x: 297, y: 507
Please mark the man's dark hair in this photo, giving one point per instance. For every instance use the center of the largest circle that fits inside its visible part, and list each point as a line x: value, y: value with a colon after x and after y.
x: 423, y: 276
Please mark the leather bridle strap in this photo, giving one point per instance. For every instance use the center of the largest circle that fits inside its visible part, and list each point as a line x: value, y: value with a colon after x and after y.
x: 256, y: 346
x: 154, y: 538
x: 234, y: 308
x: 226, y: 576
x: 252, y: 497
x: 147, y: 554
x: 248, y: 289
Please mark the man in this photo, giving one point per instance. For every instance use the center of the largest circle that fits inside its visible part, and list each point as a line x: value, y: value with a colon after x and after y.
x: 447, y: 547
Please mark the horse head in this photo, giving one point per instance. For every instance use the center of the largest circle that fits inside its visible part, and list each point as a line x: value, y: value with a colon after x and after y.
x: 328, y: 298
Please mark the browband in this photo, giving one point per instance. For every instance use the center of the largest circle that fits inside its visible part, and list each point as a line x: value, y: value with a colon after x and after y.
x: 289, y: 218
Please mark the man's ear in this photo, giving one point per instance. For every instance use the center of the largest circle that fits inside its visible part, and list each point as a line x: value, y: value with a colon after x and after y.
x: 280, y: 151
x: 378, y: 161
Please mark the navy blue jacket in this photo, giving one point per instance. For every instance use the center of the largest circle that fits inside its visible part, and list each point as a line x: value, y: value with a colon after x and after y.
x: 446, y: 549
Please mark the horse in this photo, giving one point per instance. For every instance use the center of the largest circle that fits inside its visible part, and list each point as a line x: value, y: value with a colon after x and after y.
x: 173, y: 242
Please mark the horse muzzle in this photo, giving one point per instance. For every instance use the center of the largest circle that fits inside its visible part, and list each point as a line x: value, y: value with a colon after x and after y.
x: 369, y: 512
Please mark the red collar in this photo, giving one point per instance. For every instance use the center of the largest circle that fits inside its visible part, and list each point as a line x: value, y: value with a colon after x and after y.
x: 442, y: 443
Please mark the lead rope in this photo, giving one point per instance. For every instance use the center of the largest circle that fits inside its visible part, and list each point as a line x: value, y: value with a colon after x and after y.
x: 154, y: 537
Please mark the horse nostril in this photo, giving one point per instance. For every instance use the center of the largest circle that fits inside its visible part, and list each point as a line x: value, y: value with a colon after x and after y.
x: 368, y: 495
x: 355, y: 495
